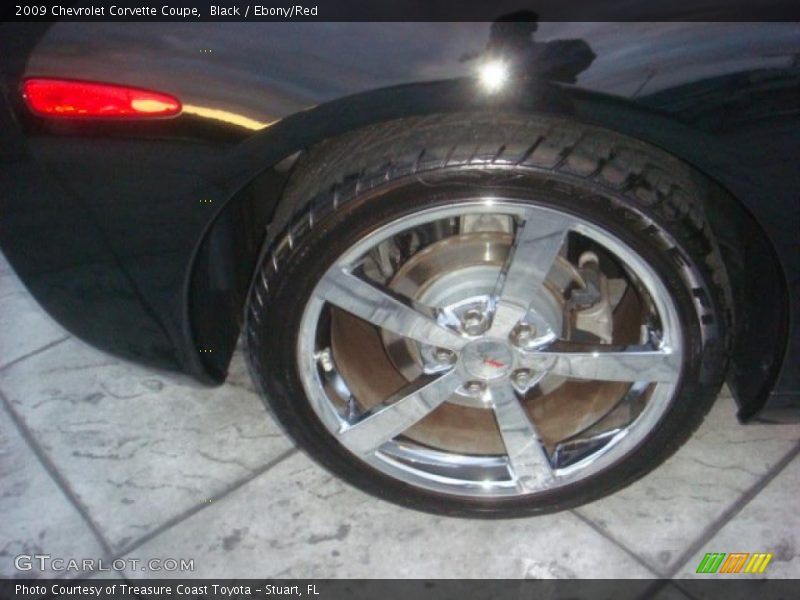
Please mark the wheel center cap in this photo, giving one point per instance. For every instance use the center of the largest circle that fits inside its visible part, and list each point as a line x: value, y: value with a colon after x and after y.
x: 487, y: 359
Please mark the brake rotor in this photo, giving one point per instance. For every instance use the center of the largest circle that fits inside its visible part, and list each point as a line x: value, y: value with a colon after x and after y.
x: 376, y: 363
x: 457, y: 269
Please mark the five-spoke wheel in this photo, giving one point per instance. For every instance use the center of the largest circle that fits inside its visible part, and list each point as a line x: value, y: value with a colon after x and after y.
x: 486, y: 347
x: 474, y: 315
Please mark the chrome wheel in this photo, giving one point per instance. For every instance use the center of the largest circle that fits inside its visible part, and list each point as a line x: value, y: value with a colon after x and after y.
x: 490, y: 348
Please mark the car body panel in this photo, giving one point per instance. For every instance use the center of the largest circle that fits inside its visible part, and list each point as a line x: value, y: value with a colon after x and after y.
x: 141, y: 237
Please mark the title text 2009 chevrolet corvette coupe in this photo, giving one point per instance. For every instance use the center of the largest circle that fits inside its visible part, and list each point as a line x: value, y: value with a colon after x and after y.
x: 479, y: 268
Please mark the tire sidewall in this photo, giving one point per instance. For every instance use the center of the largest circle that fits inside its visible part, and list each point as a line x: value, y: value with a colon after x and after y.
x: 274, y: 348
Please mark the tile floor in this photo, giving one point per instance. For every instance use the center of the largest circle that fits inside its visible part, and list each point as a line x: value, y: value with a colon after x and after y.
x: 102, y: 458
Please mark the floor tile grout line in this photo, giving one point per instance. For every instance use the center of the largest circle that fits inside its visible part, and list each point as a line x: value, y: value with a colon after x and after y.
x: 728, y: 514
x: 51, y: 469
x: 737, y: 506
x: 661, y: 583
x: 177, y: 519
x: 678, y: 583
x: 605, y: 534
x: 19, y: 359
x: 657, y: 585
x: 659, y: 580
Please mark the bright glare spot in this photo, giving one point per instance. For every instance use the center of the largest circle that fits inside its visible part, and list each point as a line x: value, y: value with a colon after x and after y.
x: 226, y: 117
x: 150, y: 105
x: 493, y: 75
x: 486, y: 484
x: 595, y: 354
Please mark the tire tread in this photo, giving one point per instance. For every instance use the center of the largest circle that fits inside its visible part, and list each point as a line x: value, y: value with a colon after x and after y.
x: 660, y: 186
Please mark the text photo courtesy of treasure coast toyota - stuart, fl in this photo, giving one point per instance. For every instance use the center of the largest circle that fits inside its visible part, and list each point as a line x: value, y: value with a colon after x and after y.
x: 347, y: 291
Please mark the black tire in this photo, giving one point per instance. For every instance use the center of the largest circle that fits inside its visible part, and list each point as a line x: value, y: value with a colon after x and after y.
x: 345, y: 187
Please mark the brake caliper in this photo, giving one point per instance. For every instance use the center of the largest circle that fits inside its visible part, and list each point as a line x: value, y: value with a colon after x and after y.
x: 591, y: 305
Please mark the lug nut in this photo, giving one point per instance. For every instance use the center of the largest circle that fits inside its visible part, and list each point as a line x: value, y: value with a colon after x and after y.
x: 444, y: 356
x: 325, y: 360
x: 474, y: 387
x: 521, y: 378
x: 473, y: 321
x: 523, y: 334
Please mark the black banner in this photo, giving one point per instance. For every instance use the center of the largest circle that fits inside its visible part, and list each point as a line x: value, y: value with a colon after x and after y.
x: 399, y: 10
x: 246, y: 589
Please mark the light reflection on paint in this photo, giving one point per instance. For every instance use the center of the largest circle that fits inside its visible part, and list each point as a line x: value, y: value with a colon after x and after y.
x: 226, y: 116
x: 493, y: 75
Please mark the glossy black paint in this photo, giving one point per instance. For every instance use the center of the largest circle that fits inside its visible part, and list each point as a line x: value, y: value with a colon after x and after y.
x: 141, y: 237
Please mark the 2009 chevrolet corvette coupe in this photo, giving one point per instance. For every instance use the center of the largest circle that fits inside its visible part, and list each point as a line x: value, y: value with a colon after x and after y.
x: 479, y: 268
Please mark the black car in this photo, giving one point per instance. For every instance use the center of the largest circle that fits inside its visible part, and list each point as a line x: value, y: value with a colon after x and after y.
x: 484, y: 269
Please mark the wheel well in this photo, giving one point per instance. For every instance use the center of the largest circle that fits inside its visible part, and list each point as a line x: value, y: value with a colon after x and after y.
x: 223, y: 266
x: 760, y: 336
x: 226, y: 257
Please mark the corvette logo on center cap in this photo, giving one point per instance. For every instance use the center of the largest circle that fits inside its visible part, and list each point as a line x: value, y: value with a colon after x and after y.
x: 487, y: 359
x: 492, y: 362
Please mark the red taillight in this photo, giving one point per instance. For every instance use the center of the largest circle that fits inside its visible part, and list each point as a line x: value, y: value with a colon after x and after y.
x: 65, y: 98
